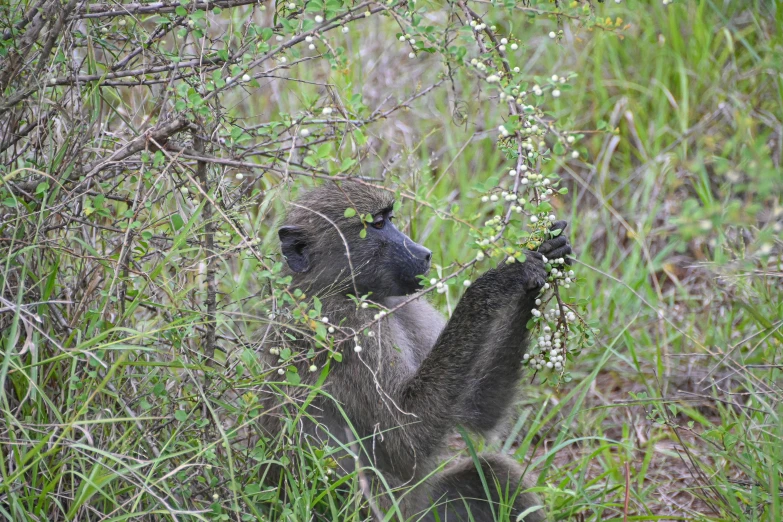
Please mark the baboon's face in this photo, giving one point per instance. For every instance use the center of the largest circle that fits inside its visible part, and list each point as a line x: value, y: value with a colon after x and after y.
x: 385, y: 262
x: 390, y: 262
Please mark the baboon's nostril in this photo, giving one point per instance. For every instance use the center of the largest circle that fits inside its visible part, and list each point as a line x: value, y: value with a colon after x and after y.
x: 428, y: 256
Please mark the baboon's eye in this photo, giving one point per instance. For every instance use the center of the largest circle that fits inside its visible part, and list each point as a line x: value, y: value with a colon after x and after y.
x: 379, y: 221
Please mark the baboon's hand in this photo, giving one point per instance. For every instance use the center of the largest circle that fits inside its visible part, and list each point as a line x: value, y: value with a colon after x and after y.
x: 534, y: 273
x: 557, y: 246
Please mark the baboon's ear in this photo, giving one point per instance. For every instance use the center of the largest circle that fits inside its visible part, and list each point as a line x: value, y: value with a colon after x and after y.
x: 295, y: 248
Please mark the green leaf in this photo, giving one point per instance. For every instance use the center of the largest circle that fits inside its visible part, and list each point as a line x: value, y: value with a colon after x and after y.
x: 363, y: 233
x: 349, y: 212
x: 248, y: 357
x: 324, y: 151
x: 292, y: 377
x: 543, y: 207
x: 310, y: 161
x: 314, y: 6
x: 347, y: 164
x: 181, y: 415
x: 177, y: 221
x: 320, y: 330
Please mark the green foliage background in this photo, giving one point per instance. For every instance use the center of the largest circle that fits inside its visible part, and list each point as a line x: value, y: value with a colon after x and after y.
x: 115, y: 408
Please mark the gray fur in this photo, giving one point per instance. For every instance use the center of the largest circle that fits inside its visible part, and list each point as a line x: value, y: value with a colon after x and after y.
x: 418, y: 376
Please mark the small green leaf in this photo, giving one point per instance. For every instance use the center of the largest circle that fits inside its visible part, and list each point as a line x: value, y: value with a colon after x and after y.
x: 320, y: 330
x: 292, y: 377
x: 363, y: 233
x: 349, y: 212
x: 347, y: 164
x: 310, y: 161
x: 177, y: 221
x: 181, y: 415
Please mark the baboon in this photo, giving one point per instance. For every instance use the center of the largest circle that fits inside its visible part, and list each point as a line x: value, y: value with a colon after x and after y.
x: 417, y: 376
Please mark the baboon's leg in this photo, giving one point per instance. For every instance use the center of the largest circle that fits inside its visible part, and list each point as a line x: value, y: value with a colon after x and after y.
x: 458, y: 495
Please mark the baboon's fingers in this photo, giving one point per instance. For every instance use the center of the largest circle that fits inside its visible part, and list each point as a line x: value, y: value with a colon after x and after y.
x: 559, y: 225
x: 563, y: 252
x: 552, y: 244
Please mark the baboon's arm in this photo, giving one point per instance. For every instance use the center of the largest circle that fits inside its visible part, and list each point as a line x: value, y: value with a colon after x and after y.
x: 471, y: 374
